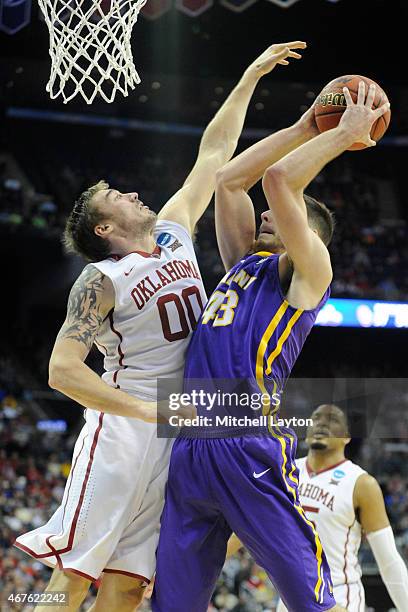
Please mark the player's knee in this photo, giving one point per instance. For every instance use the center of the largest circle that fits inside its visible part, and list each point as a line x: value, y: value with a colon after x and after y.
x: 337, y: 608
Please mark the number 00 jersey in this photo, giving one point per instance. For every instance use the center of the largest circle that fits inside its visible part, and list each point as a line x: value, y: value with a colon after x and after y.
x: 158, y: 301
x: 327, y: 499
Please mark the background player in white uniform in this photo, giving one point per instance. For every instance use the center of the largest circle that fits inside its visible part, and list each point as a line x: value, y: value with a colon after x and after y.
x: 138, y: 303
x: 343, y: 501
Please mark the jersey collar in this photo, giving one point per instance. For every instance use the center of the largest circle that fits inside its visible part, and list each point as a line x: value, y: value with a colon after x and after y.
x: 156, y: 253
x: 312, y: 473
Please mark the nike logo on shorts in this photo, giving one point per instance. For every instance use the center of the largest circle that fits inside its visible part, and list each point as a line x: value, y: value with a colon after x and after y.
x: 261, y: 473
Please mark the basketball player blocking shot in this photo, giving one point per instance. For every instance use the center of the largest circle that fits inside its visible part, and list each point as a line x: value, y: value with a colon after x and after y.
x: 138, y: 301
x: 229, y: 478
x: 343, y: 501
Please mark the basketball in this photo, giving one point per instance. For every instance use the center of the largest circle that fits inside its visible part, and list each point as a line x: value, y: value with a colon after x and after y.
x: 331, y: 104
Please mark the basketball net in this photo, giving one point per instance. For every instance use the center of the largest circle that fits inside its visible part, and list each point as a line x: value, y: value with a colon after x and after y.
x: 90, y: 47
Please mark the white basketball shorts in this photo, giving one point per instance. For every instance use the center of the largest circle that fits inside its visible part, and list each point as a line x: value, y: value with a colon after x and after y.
x: 109, y: 517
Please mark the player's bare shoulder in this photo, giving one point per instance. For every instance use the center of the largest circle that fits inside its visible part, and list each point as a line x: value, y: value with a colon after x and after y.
x: 90, y: 300
x: 366, y: 487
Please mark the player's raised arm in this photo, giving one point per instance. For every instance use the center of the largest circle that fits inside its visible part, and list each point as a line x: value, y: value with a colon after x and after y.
x: 234, y: 212
x: 285, y: 181
x: 90, y: 301
x: 369, y: 501
x: 220, y: 139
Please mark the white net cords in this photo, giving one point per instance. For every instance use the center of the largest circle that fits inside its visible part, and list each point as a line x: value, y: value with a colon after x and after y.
x: 91, y: 49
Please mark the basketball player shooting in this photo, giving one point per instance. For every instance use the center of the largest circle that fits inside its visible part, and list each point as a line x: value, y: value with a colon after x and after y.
x: 343, y: 501
x: 222, y: 478
x: 138, y: 301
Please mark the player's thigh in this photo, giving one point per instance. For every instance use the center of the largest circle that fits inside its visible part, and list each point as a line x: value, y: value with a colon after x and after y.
x: 188, y: 565
x: 292, y: 556
x: 119, y: 592
x: 193, y: 537
x: 258, y: 496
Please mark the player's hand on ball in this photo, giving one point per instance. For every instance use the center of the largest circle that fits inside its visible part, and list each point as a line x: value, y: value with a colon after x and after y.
x: 307, y: 122
x: 359, y: 117
x: 276, y: 54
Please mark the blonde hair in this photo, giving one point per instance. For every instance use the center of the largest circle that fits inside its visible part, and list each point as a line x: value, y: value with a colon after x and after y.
x: 79, y: 235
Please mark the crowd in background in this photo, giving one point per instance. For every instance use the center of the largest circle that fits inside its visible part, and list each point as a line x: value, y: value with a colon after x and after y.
x: 369, y: 248
x: 370, y: 256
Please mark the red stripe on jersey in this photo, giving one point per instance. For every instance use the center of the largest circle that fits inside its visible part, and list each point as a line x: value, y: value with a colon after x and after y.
x: 155, y: 253
x: 120, y: 352
x: 131, y: 574
x: 101, y: 346
x: 57, y: 552
x: 310, y: 508
x: 345, y: 565
x: 70, y: 482
x: 85, y: 482
x: 60, y: 566
x: 75, y: 571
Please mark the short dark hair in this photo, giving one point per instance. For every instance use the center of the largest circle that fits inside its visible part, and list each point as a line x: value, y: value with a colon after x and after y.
x: 79, y: 235
x: 320, y: 218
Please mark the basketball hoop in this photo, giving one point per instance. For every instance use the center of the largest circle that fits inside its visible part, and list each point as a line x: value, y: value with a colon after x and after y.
x: 90, y: 47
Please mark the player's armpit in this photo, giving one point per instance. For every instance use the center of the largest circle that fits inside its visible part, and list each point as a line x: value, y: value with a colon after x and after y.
x: 369, y: 501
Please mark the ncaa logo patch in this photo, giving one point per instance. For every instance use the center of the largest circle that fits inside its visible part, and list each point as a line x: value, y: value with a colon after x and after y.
x: 339, y: 474
x: 164, y: 239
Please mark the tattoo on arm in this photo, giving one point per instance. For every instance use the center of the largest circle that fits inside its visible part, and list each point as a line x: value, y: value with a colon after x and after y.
x: 84, y: 311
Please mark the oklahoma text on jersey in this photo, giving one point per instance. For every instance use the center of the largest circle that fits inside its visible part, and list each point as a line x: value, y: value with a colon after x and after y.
x: 167, y: 274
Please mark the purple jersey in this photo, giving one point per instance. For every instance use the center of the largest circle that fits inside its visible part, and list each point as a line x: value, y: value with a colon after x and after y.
x: 248, y: 331
x: 218, y: 483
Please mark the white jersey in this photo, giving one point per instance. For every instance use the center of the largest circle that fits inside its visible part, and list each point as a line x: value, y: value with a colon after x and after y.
x: 327, y: 498
x: 109, y: 518
x: 158, y: 301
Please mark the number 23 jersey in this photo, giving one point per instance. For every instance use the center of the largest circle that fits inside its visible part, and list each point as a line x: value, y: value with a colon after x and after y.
x: 159, y: 297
